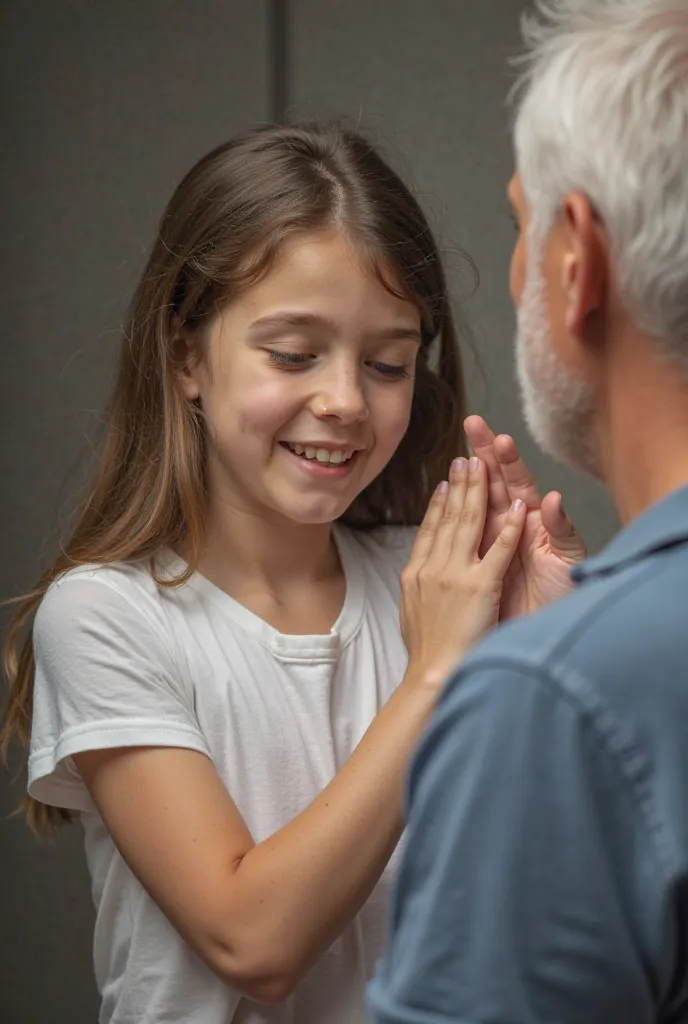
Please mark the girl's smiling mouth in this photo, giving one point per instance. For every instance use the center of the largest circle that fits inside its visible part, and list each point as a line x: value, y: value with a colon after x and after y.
x: 322, y: 459
x: 324, y: 452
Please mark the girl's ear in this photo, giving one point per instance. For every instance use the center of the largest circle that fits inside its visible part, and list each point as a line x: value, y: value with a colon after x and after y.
x: 185, y: 361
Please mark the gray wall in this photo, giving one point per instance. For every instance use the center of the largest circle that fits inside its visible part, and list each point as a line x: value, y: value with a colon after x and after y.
x: 110, y: 103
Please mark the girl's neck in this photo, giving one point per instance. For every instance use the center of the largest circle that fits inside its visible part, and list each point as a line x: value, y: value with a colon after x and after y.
x: 245, y: 550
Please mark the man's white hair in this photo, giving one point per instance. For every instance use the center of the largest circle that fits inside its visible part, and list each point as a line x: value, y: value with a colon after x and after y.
x: 602, y: 109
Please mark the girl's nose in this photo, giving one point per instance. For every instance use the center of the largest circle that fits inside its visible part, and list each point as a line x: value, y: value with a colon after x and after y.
x: 344, y: 399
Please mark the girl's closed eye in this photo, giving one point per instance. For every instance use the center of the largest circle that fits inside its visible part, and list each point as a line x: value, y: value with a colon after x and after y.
x: 289, y: 360
x: 391, y: 371
x: 298, y: 360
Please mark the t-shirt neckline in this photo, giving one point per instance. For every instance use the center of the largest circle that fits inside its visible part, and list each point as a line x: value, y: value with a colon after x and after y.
x: 319, y: 646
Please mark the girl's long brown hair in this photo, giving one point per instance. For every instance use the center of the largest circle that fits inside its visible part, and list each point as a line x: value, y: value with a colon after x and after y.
x: 220, y: 233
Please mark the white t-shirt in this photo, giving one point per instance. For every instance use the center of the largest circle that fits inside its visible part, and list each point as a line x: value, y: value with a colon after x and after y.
x: 122, y: 662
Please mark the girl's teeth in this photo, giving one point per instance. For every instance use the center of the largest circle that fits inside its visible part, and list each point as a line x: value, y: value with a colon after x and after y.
x: 324, y: 455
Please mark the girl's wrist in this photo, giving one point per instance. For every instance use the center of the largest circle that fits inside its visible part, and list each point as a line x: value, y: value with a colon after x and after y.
x: 425, y: 679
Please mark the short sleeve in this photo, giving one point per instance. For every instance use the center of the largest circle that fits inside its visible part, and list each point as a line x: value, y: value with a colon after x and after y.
x: 105, y: 677
x: 515, y: 899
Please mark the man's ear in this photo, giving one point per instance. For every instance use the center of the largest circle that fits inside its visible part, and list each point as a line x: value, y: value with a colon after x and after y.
x: 585, y: 267
x: 185, y: 361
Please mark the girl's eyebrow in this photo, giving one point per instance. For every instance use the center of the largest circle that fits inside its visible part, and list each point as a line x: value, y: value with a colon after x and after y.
x: 276, y: 323
x: 270, y: 326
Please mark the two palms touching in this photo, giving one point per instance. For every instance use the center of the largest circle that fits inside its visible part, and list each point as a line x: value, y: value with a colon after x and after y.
x: 549, y: 546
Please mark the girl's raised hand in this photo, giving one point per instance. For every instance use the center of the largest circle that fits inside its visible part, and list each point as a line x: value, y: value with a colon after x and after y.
x: 450, y: 596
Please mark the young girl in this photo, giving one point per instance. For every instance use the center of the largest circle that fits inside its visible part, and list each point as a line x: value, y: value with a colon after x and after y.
x: 216, y: 678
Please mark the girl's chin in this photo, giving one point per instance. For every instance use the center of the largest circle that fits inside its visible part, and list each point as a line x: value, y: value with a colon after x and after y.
x: 312, y: 510
x: 314, y: 516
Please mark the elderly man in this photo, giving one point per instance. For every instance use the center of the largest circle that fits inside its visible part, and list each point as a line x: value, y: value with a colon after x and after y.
x: 545, y: 876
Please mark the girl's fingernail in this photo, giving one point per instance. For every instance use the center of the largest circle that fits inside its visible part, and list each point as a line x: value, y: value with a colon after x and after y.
x: 473, y: 465
x: 518, y: 505
x: 458, y: 464
x: 442, y: 487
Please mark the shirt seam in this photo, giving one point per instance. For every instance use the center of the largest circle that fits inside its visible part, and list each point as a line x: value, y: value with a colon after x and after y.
x: 49, y: 754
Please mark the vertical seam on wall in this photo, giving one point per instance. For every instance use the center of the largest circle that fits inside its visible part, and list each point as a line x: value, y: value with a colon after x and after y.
x: 278, y: 28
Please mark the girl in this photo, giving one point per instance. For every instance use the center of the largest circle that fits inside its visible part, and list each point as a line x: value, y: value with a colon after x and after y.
x: 216, y: 679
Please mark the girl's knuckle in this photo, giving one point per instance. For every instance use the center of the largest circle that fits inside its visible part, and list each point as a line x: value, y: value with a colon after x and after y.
x: 424, y: 575
x: 408, y: 576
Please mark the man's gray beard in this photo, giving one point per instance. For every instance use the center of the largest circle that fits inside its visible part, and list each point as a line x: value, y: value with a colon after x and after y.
x: 557, y: 406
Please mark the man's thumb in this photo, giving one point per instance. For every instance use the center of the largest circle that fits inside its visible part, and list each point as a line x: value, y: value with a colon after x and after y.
x: 563, y: 536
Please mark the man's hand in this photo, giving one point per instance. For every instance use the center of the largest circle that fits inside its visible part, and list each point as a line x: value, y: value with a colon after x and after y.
x: 549, y: 545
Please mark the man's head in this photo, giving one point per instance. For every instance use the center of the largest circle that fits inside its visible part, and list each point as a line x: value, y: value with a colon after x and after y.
x: 601, y: 196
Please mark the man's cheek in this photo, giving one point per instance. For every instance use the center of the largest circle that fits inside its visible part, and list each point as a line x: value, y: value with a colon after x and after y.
x: 516, y: 273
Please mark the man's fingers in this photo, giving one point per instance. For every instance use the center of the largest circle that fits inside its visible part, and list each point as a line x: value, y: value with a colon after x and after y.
x: 478, y: 432
x: 517, y: 477
x: 500, y: 556
x: 481, y: 440
x: 564, y: 540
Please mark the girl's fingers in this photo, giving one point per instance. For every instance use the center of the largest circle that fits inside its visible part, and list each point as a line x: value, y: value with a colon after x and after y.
x: 482, y: 442
x: 451, y: 519
x: 499, y: 557
x: 469, y: 530
x: 425, y: 537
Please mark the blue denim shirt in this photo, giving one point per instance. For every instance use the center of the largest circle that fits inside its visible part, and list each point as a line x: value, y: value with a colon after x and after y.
x: 545, y: 873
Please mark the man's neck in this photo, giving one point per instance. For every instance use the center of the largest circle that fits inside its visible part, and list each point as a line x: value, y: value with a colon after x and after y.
x: 644, y: 427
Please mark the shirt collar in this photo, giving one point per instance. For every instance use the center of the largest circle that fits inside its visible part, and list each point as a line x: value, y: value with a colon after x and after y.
x: 662, y: 525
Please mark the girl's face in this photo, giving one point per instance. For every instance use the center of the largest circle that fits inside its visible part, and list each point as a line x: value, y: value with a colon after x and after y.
x: 306, y: 384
